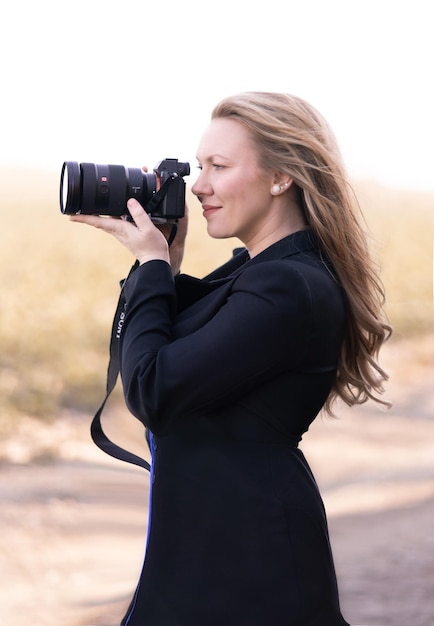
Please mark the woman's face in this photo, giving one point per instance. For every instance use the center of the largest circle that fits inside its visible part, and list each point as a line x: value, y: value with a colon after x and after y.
x: 235, y: 192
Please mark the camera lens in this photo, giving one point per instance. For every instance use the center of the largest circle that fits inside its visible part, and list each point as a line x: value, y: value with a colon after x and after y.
x: 70, y: 188
x: 102, y: 189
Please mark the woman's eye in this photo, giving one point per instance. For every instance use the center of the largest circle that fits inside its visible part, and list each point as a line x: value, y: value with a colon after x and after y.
x: 216, y: 166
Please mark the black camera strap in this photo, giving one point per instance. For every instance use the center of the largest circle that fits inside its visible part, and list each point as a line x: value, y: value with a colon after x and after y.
x: 159, y: 195
x: 96, y: 430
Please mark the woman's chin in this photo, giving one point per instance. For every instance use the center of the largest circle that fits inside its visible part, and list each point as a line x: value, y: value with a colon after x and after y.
x: 217, y: 233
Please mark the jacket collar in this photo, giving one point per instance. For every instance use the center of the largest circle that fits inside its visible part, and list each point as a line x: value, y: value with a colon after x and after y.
x: 190, y: 290
x: 300, y: 241
x: 297, y: 242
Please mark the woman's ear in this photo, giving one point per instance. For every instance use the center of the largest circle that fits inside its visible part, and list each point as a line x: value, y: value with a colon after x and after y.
x: 281, y: 183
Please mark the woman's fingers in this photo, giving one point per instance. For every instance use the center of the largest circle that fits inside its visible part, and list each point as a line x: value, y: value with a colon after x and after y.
x: 108, y: 224
x: 139, y: 215
x: 143, y: 240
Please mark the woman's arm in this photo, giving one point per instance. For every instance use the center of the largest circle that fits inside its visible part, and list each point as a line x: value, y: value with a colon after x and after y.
x: 260, y: 327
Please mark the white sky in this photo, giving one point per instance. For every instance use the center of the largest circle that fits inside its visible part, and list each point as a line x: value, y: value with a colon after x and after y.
x: 134, y: 81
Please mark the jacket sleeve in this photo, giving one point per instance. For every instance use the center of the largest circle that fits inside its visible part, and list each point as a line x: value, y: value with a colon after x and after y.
x: 261, y: 329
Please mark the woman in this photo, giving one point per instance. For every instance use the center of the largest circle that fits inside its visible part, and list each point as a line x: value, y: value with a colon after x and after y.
x: 228, y: 372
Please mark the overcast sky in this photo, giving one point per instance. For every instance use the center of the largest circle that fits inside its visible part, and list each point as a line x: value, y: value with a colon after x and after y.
x: 133, y: 82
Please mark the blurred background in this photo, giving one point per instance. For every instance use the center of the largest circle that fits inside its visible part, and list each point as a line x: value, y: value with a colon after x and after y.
x: 133, y: 83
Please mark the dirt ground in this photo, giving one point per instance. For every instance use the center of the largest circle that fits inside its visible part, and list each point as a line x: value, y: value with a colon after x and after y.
x: 73, y: 521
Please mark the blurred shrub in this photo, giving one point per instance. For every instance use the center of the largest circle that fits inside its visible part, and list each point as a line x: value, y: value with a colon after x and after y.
x: 402, y: 226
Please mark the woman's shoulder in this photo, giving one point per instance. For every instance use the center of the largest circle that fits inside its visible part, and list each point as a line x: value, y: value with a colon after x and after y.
x: 303, y: 278
x: 304, y: 266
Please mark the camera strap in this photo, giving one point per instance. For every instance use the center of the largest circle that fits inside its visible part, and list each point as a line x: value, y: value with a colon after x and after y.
x: 159, y: 195
x: 96, y: 430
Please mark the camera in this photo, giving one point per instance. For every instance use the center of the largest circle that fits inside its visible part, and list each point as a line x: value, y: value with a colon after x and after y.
x: 104, y: 189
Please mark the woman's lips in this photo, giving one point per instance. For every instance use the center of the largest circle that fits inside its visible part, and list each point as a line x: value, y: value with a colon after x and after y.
x: 208, y: 209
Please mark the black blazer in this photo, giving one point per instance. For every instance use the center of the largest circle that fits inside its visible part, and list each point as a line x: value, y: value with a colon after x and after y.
x: 227, y: 373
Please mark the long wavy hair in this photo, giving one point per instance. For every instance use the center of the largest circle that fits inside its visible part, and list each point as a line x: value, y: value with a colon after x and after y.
x: 292, y: 137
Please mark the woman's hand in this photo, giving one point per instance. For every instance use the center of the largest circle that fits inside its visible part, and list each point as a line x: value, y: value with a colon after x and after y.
x: 144, y: 240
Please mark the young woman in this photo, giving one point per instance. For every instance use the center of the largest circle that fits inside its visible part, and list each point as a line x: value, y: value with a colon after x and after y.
x: 227, y: 372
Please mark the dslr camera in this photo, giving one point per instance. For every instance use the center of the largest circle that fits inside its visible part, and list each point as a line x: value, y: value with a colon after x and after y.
x: 104, y: 189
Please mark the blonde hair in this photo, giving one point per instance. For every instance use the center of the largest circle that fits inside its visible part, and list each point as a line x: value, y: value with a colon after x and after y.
x: 293, y: 138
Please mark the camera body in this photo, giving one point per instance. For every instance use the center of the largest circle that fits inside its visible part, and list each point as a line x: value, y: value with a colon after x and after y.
x: 93, y: 189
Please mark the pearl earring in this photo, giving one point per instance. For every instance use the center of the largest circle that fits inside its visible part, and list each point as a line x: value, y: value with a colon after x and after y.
x: 275, y: 189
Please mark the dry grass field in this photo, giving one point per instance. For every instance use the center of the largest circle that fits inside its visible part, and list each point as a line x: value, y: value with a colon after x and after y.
x: 64, y: 503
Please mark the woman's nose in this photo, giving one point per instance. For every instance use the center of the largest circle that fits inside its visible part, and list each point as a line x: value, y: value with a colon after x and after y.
x: 200, y: 187
x: 195, y: 188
